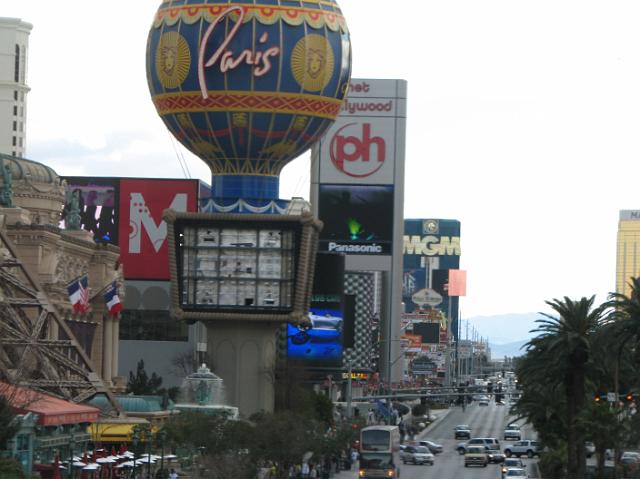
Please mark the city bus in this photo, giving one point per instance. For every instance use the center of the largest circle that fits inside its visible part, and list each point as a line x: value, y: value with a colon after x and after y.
x: 379, y: 448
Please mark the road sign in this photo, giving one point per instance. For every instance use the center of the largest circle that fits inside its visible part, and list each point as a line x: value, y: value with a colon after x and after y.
x: 611, y: 397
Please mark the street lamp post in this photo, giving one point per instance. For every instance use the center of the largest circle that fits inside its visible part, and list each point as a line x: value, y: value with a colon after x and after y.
x: 72, y: 443
x: 135, y: 440
x: 163, y: 437
x: 349, y: 372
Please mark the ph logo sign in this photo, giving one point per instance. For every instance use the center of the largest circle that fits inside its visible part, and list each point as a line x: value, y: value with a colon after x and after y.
x: 356, y: 152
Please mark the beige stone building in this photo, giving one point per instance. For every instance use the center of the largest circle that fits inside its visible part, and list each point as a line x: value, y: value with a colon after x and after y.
x: 57, y: 256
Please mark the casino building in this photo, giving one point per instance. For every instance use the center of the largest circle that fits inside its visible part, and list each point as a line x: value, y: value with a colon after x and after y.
x: 628, y: 250
x: 14, y: 46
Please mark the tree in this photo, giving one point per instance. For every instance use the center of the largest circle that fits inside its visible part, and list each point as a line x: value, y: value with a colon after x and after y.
x: 563, y: 349
x: 141, y: 383
x: 8, y: 426
x: 284, y: 437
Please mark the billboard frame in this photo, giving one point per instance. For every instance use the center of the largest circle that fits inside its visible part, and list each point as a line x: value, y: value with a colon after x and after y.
x: 307, y: 247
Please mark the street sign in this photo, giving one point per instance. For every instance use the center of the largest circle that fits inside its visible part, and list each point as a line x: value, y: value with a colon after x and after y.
x: 426, y: 297
x: 611, y: 397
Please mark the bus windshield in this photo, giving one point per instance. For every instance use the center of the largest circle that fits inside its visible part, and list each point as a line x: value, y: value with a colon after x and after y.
x: 375, y: 440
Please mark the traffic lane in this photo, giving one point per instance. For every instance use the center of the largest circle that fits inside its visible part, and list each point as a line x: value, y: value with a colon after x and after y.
x: 449, y: 466
x: 484, y: 421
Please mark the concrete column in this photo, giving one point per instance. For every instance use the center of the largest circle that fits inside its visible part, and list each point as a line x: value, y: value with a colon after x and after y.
x: 115, y: 348
x: 244, y: 357
x: 107, y: 348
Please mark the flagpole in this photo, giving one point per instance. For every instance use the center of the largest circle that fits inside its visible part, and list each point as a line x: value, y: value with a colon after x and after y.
x: 101, y: 290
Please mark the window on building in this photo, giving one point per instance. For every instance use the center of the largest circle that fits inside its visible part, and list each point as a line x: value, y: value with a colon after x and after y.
x: 15, y: 110
x: 23, y: 62
x: 13, y: 153
x: 15, y: 126
x: 142, y: 325
x: 20, y: 142
x: 15, y: 142
x: 16, y: 73
x: 21, y: 127
x: 15, y: 95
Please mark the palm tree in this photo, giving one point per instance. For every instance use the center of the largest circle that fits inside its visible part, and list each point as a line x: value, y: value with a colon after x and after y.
x: 564, y: 343
x: 627, y: 314
x: 625, y: 330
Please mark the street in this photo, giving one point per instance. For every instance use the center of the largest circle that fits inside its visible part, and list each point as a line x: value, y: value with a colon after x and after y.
x: 485, y: 421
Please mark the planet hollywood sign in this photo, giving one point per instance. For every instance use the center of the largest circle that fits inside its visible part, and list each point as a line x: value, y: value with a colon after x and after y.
x: 355, y: 152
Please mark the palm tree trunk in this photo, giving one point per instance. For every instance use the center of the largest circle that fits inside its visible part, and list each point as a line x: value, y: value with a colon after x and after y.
x: 576, y: 454
x: 600, y: 457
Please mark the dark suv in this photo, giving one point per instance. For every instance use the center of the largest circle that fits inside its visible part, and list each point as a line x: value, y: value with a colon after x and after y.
x: 462, y: 432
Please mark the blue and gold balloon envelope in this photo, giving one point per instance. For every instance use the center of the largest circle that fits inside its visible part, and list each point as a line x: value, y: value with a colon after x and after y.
x: 247, y: 87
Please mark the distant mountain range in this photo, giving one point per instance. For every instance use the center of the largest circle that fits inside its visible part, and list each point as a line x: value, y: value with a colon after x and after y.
x: 507, y: 333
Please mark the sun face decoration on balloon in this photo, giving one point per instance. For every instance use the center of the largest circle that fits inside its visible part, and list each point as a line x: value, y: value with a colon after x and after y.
x: 247, y: 87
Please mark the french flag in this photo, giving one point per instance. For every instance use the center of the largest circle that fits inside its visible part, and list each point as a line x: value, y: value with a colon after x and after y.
x: 79, y: 294
x: 112, y: 299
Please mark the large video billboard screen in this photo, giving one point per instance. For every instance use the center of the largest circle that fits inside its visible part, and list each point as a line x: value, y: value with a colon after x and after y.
x: 322, y: 343
x: 357, y: 219
x: 128, y: 213
x: 430, y: 332
x: 97, y: 200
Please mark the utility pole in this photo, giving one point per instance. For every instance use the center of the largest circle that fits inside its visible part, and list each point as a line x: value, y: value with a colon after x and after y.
x: 349, y: 371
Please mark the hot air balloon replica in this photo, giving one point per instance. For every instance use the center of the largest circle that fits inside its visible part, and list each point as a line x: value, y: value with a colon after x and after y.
x: 248, y: 86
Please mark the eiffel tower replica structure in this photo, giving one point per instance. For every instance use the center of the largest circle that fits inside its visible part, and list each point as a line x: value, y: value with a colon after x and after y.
x: 29, y: 356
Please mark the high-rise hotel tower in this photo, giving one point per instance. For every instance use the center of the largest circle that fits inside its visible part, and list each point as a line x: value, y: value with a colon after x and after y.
x: 628, y: 255
x: 14, y: 45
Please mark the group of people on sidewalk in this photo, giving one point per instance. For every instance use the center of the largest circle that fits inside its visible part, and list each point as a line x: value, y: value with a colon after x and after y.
x: 323, y: 469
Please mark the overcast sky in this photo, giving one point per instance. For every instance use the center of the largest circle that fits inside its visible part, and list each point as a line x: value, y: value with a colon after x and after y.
x: 523, y: 123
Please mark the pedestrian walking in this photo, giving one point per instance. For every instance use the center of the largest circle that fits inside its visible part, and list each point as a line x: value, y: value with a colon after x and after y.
x: 305, y: 470
x: 370, y: 417
x: 173, y: 474
x: 313, y: 472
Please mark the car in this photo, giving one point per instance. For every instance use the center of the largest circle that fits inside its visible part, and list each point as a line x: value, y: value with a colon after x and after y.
x: 483, y: 401
x: 324, y: 329
x: 462, y: 431
x: 589, y: 449
x: 417, y: 455
x: 512, y: 433
x: 432, y: 446
x: 476, y: 456
x: 516, y: 472
x: 523, y: 448
x: 630, y: 457
x: 490, y: 443
x: 511, y: 462
x: 496, y: 457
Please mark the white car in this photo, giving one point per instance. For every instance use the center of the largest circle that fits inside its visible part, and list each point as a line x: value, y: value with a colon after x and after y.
x: 417, y: 455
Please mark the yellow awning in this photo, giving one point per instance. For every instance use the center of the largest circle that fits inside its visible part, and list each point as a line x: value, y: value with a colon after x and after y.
x: 105, y: 432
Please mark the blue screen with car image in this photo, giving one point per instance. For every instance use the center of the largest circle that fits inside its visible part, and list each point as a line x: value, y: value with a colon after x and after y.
x: 322, y: 342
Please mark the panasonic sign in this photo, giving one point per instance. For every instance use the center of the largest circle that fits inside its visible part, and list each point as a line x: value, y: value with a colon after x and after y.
x: 355, y: 248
